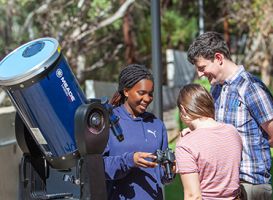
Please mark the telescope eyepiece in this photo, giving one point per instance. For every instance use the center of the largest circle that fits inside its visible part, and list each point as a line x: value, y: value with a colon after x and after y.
x: 96, y: 121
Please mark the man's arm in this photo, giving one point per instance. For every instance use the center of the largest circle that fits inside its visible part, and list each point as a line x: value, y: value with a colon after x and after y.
x: 191, y: 186
x: 268, y: 127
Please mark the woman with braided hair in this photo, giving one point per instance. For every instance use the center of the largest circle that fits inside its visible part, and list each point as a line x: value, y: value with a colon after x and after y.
x: 130, y: 170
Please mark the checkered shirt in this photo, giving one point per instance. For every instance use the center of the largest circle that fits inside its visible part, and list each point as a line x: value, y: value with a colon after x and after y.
x: 245, y: 102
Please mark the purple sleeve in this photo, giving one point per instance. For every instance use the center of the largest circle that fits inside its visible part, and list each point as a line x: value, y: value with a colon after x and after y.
x: 117, y: 167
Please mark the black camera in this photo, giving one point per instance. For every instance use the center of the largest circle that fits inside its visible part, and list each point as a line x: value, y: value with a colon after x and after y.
x: 166, y: 158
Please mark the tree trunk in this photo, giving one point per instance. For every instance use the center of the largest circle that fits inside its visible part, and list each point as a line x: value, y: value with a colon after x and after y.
x: 128, y: 37
x: 226, y: 31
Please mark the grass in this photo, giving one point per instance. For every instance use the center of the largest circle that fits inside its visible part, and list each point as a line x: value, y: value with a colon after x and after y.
x: 174, y: 190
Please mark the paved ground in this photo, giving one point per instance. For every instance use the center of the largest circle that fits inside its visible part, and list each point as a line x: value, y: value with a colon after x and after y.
x: 170, y: 121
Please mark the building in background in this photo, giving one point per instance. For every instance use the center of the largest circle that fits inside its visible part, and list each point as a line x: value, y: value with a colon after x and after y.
x: 179, y: 70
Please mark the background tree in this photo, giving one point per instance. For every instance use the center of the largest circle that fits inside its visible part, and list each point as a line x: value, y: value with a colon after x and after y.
x: 98, y: 37
x: 89, y: 31
x: 252, y: 21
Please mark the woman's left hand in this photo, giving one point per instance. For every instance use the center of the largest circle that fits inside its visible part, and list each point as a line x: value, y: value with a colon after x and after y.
x: 140, y: 159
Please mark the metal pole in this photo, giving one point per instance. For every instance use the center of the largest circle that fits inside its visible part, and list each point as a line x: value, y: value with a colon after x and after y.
x: 201, y: 17
x: 156, y: 58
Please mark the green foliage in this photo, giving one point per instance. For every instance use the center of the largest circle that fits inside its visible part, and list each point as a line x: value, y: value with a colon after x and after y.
x: 142, y: 30
x: 174, y: 191
x: 67, y: 19
x: 178, y: 29
x: 117, y: 25
x: 99, y: 8
x: 204, y: 82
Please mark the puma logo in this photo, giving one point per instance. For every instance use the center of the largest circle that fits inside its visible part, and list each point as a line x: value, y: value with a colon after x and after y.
x: 152, y: 132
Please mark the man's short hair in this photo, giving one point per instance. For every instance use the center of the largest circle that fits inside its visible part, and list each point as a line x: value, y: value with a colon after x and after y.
x: 206, y: 45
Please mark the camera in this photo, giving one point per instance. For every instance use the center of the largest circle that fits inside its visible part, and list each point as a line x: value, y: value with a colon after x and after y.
x: 166, y: 159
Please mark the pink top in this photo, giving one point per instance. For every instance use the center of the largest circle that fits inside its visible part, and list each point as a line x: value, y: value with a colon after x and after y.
x: 215, y: 154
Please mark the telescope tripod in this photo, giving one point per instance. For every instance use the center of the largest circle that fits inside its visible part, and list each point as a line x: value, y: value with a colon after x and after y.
x: 84, y: 181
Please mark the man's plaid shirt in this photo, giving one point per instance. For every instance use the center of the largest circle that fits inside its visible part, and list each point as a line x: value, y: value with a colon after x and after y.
x: 245, y: 102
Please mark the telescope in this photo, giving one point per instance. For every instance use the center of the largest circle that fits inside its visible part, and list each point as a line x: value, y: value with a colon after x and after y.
x: 57, y: 128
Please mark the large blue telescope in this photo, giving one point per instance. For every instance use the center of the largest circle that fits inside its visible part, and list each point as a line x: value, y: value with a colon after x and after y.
x: 46, y: 94
x: 54, y: 117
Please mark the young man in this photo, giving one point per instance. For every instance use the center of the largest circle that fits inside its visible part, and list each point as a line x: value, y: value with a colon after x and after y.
x: 243, y: 100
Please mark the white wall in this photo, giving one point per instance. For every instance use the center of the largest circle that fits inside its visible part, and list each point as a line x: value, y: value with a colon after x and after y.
x: 10, y: 155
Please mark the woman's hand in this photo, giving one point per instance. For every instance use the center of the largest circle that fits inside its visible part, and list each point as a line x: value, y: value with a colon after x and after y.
x: 141, y: 161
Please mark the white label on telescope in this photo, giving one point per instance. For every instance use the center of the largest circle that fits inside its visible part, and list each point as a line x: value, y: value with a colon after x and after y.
x: 38, y: 135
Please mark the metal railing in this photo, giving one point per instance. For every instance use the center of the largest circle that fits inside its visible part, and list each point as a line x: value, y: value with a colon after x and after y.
x: 7, y: 142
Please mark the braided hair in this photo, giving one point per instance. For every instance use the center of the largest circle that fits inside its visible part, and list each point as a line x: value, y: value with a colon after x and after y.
x: 128, y: 77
